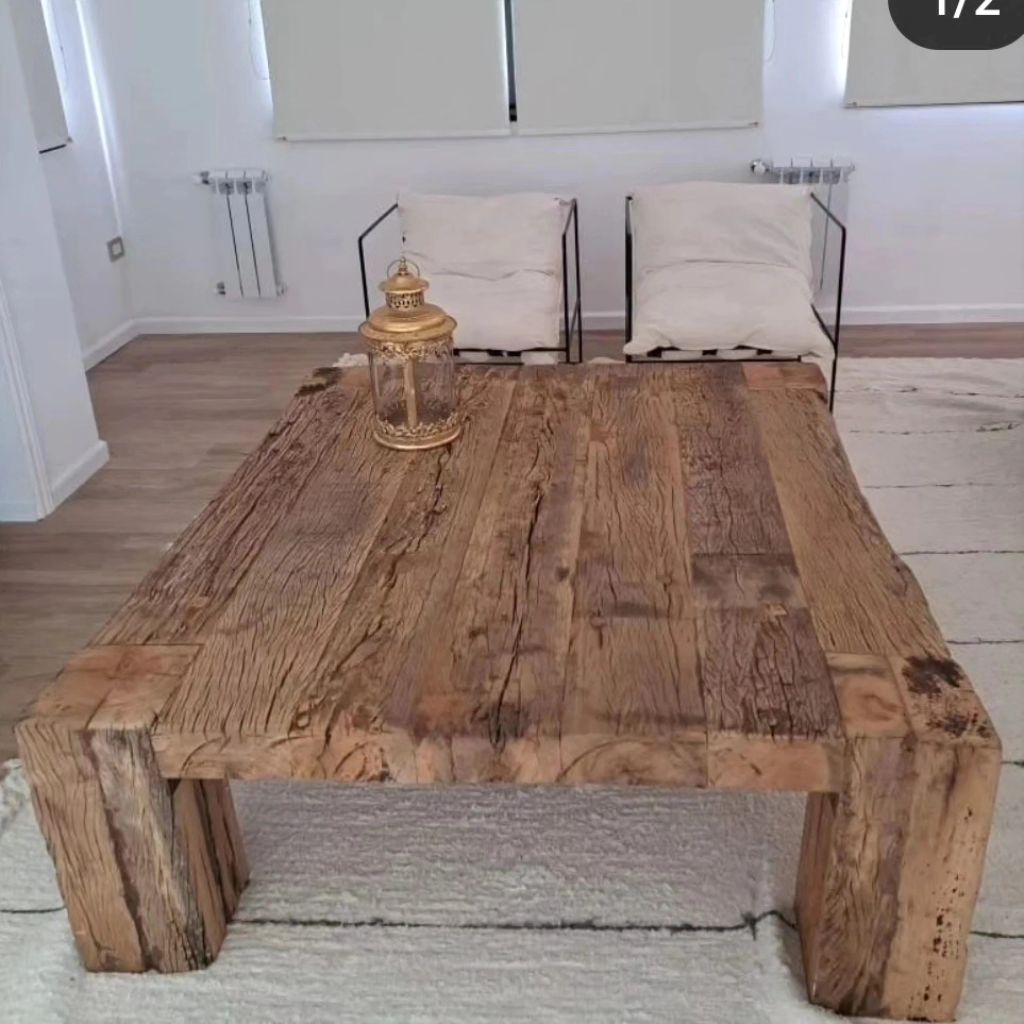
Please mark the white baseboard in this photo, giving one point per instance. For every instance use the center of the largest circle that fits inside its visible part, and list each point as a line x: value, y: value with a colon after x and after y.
x: 605, y: 320
x: 109, y: 344
x: 1007, y: 312
x: 19, y: 512
x: 246, y: 324
x: 78, y: 472
x: 303, y: 324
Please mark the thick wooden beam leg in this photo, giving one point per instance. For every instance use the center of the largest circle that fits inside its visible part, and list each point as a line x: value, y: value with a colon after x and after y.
x: 889, y: 873
x: 151, y: 869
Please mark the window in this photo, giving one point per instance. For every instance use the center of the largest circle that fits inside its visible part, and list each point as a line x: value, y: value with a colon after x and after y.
x: 635, y: 65
x: 886, y: 69
x: 342, y: 69
x: 44, y: 98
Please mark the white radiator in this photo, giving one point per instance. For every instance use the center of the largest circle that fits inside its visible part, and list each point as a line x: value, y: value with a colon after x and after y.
x: 829, y: 181
x: 245, y: 248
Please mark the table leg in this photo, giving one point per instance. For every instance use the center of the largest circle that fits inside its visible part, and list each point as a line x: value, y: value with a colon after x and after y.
x: 889, y: 874
x: 151, y: 869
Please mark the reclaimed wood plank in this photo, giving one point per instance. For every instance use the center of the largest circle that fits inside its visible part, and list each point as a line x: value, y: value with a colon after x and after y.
x: 183, y: 596
x: 942, y: 706
x: 889, y: 874
x: 759, y: 376
x: 731, y: 506
x: 275, y: 626
x: 772, y: 717
x: 869, y: 698
x: 150, y: 870
x: 633, y: 675
x: 332, y: 722
x: 862, y: 598
x: 487, y: 700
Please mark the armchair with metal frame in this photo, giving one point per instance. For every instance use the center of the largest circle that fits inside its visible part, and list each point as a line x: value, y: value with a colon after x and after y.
x: 572, y: 323
x: 827, y: 249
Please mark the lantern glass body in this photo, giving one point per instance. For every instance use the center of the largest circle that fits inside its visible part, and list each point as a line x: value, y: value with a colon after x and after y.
x: 414, y: 394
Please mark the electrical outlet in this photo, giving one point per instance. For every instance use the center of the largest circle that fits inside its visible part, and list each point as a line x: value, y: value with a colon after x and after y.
x: 115, y: 249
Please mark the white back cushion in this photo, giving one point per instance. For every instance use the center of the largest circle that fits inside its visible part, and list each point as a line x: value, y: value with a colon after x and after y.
x: 721, y: 222
x: 489, y: 236
x: 494, y: 263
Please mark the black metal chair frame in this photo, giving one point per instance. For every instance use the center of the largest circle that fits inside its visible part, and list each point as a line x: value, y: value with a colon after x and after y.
x: 572, y: 317
x: 833, y: 336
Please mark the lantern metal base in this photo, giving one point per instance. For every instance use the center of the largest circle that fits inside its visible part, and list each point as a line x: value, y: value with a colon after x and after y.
x: 417, y: 444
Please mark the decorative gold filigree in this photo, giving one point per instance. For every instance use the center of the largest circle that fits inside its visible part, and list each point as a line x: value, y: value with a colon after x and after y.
x: 423, y: 435
x: 411, y: 350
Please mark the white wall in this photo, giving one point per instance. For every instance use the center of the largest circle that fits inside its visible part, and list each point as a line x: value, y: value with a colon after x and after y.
x: 39, y: 332
x: 19, y: 499
x: 83, y: 201
x: 936, y: 205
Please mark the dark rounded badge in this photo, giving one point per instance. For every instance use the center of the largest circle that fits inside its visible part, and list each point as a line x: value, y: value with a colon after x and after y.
x: 959, y: 24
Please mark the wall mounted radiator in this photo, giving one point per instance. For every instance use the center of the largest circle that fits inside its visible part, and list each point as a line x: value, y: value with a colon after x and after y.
x: 245, y: 249
x: 828, y: 181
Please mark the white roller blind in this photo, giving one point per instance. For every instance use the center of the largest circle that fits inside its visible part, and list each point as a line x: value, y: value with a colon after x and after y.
x: 636, y: 65
x: 44, y: 99
x: 887, y: 70
x: 342, y: 69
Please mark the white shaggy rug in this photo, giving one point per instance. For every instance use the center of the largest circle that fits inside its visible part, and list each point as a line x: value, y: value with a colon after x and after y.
x: 372, y: 904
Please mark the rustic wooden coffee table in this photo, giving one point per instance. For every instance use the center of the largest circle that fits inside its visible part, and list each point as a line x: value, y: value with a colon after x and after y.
x: 617, y: 575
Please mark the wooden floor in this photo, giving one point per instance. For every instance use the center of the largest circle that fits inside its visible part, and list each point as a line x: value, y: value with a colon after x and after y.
x: 179, y: 414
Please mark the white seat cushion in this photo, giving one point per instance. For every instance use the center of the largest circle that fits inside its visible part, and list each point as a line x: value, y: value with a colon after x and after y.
x: 726, y: 268
x: 508, y: 314
x: 696, y: 307
x: 493, y: 263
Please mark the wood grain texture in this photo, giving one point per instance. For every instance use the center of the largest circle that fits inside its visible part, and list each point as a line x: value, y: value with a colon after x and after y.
x: 889, y: 873
x: 618, y: 574
x: 761, y: 376
x: 772, y: 717
x: 188, y: 590
x: 621, y: 575
x: 731, y: 505
x: 861, y: 595
x: 181, y: 412
x: 150, y: 870
x: 633, y: 676
x: 891, y: 864
x: 493, y: 691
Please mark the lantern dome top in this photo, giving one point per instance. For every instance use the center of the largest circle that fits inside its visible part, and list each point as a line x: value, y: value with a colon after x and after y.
x: 406, y: 317
x: 403, y: 281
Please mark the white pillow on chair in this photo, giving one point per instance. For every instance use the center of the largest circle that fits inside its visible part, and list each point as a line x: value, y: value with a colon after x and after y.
x: 721, y: 266
x: 699, y: 307
x: 494, y: 263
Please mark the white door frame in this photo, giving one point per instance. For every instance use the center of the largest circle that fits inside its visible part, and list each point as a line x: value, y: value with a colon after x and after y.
x: 10, y: 358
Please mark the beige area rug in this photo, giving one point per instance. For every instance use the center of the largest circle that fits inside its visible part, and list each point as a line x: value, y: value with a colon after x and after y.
x: 372, y: 904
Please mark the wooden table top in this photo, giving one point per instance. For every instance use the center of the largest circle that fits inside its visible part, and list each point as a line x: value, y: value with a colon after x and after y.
x: 618, y: 574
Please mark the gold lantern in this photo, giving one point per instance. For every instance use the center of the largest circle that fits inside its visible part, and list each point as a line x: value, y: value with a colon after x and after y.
x: 412, y: 365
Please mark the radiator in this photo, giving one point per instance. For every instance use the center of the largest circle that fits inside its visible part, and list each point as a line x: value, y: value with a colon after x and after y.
x: 829, y: 181
x: 245, y: 251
